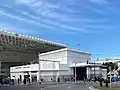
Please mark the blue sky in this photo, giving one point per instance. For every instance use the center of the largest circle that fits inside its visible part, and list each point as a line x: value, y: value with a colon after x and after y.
x: 94, y: 24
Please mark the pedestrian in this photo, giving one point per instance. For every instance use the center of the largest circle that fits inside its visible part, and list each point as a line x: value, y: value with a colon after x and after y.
x: 24, y: 81
x: 1, y: 81
x: 29, y: 80
x: 18, y: 81
x: 58, y: 79
x: 65, y: 79
x: 12, y: 81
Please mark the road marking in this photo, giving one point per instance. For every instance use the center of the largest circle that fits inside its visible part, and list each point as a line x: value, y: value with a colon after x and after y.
x: 49, y: 87
x: 92, y: 88
x: 52, y: 86
x: 71, y: 86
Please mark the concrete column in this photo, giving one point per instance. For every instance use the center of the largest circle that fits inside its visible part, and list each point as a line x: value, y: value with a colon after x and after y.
x: 38, y: 78
x: 54, y: 76
x: 30, y: 76
x: 22, y: 75
x: 88, y: 72
x: 39, y: 71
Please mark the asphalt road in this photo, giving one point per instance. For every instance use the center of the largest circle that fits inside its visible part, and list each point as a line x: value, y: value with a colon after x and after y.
x: 72, y: 86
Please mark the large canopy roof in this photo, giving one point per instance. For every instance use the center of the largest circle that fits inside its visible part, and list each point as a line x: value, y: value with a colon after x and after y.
x: 11, y: 41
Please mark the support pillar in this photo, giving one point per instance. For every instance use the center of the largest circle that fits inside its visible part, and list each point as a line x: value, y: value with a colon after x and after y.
x: 39, y: 72
x: 88, y: 72
x: 30, y: 76
x: 54, y: 78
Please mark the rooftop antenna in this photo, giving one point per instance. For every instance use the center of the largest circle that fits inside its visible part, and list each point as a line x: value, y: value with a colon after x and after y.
x: 78, y: 46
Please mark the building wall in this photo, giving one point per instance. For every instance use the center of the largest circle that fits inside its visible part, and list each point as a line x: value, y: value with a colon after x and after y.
x: 53, y: 55
x: 32, y: 67
x: 48, y: 70
x: 57, y: 55
x: 79, y: 57
x: 62, y: 69
x: 99, y: 72
x: 66, y: 57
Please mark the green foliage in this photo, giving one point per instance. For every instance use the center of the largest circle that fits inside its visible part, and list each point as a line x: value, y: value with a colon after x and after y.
x: 106, y: 81
x: 113, y: 66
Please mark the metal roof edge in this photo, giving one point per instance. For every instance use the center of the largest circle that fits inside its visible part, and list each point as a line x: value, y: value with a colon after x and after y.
x: 64, y: 49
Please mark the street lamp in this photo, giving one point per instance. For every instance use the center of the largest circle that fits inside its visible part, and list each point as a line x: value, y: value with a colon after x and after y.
x: 75, y: 73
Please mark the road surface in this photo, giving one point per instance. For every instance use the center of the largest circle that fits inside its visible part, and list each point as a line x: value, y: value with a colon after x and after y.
x: 72, y: 86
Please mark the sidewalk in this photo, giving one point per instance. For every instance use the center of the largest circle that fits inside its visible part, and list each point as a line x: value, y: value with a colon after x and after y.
x: 46, y: 83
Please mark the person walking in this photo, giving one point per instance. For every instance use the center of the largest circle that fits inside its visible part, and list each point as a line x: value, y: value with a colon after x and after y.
x: 18, y: 81
x: 1, y: 81
x: 58, y: 80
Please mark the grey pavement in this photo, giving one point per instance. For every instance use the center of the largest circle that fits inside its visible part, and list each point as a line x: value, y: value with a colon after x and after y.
x: 65, y: 86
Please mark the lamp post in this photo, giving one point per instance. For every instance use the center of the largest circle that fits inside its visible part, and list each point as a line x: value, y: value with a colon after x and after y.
x: 95, y: 64
x: 75, y: 73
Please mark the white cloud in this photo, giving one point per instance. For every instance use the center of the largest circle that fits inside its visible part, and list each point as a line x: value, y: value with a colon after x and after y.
x: 68, y: 27
x: 96, y: 10
x: 99, y: 1
x: 23, y: 19
x: 51, y: 23
x: 25, y: 1
x: 14, y: 28
x: 97, y: 26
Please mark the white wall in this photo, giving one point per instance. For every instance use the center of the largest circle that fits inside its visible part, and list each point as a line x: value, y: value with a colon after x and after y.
x: 45, y: 65
x: 35, y: 67
x: 58, y: 55
x: 66, y: 57
x: 55, y: 55
x: 32, y: 67
x: 79, y: 57
x: 48, y: 69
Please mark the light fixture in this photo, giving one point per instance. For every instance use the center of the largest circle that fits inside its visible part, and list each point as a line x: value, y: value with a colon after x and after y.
x: 5, y: 30
x: 26, y: 36
x: 20, y: 34
x: 13, y: 32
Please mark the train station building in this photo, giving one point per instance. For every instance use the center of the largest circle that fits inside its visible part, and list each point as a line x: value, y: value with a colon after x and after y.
x: 18, y: 49
x: 22, y: 56
x: 54, y: 64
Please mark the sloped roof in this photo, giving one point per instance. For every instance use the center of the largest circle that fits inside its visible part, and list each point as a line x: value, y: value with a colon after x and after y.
x: 11, y: 41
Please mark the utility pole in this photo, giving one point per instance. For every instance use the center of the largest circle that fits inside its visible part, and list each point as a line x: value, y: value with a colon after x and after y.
x: 94, y: 68
x: 110, y: 75
x: 75, y: 72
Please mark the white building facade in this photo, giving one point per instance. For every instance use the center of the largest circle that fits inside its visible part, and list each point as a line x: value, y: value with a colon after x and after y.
x: 52, y: 65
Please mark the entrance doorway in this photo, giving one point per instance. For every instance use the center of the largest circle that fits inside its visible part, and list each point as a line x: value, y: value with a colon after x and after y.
x: 80, y: 73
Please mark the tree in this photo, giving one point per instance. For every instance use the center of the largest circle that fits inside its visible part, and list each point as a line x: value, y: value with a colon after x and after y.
x: 113, y: 66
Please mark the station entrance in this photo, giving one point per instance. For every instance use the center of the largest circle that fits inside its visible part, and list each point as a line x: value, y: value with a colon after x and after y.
x: 80, y: 73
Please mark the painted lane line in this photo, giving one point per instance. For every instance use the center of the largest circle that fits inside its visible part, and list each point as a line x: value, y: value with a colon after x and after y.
x: 92, y: 88
x: 71, y: 86
x: 49, y: 87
